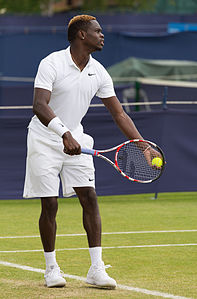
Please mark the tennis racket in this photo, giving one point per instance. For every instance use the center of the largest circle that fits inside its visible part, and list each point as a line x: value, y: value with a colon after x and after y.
x: 134, y: 160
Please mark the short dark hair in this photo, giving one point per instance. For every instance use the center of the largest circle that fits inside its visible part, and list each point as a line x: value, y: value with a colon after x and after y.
x: 77, y: 23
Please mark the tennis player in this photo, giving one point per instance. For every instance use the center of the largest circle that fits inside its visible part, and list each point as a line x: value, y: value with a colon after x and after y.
x: 65, y: 84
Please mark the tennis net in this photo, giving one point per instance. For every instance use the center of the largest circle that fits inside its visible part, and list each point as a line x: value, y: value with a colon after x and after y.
x: 139, y: 94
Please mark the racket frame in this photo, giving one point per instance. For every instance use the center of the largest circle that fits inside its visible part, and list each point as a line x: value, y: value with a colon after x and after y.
x: 97, y: 153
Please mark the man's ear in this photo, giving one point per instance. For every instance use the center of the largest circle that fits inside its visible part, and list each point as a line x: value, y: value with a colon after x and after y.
x: 81, y: 34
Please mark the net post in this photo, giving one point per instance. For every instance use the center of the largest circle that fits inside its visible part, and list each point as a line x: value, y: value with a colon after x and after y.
x: 137, y: 95
x: 155, y: 196
x: 165, y: 97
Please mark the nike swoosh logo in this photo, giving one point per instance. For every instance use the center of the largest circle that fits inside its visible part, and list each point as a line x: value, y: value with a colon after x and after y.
x: 89, y: 74
x: 91, y: 180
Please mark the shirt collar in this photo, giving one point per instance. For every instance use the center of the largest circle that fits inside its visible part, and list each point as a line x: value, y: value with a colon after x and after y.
x: 71, y: 62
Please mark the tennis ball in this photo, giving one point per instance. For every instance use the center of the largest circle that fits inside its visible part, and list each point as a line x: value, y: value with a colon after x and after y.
x: 157, y: 162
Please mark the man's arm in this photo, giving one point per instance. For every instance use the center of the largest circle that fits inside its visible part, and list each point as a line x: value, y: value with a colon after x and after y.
x: 123, y: 121
x: 41, y: 107
x: 127, y: 126
x: 46, y: 115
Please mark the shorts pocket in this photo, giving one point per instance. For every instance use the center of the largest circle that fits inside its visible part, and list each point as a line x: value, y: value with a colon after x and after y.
x: 88, y: 141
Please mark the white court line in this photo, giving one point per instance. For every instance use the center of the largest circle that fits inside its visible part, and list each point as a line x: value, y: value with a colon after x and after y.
x: 123, y: 287
x: 109, y: 247
x: 106, y: 233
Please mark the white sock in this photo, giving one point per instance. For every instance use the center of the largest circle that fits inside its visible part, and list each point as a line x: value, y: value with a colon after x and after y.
x: 50, y: 258
x: 95, y: 254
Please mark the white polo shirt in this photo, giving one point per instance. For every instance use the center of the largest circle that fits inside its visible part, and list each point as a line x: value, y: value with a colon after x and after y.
x: 71, y: 89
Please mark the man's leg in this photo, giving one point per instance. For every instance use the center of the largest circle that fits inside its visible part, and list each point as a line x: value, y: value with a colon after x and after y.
x: 47, y: 222
x: 92, y: 225
x: 47, y: 226
x: 91, y: 216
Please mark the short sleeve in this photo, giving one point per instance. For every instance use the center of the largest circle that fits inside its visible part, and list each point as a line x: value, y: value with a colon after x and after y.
x: 106, y: 88
x: 46, y: 75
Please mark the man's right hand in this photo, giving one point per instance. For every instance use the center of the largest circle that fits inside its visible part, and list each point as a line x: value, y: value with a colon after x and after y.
x: 71, y: 146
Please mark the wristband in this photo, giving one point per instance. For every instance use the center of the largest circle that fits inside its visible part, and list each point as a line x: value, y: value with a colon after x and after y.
x: 57, y: 126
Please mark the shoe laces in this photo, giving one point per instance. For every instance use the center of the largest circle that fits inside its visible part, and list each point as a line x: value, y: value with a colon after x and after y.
x: 54, y: 270
x: 102, y: 267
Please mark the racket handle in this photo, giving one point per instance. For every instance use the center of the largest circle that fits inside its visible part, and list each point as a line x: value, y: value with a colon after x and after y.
x: 89, y: 151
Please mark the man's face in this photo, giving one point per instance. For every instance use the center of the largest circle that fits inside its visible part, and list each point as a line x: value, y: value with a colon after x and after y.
x: 94, y: 37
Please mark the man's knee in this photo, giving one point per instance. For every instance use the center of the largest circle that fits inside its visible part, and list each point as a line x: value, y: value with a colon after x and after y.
x: 49, y: 206
x: 87, y: 196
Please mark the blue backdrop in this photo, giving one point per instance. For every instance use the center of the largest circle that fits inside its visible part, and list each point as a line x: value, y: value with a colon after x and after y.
x: 21, y: 53
x: 174, y: 131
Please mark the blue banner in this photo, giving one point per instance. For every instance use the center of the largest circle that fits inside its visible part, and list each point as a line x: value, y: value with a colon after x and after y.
x: 173, y: 130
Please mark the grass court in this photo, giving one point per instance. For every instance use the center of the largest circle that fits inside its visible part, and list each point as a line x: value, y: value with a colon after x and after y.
x: 150, y: 244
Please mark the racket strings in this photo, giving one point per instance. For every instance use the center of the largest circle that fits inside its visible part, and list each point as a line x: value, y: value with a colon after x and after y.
x: 132, y: 161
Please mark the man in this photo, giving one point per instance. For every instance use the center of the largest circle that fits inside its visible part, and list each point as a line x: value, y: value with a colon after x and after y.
x: 66, y: 82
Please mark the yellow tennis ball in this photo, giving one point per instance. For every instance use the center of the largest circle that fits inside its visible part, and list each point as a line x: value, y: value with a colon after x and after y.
x: 157, y: 162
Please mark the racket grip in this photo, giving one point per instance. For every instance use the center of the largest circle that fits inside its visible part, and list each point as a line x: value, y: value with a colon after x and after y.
x: 89, y: 151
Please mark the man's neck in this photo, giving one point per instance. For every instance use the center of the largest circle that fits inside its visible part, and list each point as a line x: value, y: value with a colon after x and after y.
x: 79, y: 56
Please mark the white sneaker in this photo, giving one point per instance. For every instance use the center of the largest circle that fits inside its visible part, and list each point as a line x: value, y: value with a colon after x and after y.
x: 98, y: 276
x: 53, y: 277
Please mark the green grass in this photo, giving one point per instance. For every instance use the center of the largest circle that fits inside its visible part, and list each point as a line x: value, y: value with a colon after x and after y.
x: 170, y: 269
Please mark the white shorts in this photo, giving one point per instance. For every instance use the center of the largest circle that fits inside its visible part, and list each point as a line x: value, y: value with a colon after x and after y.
x: 46, y: 163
